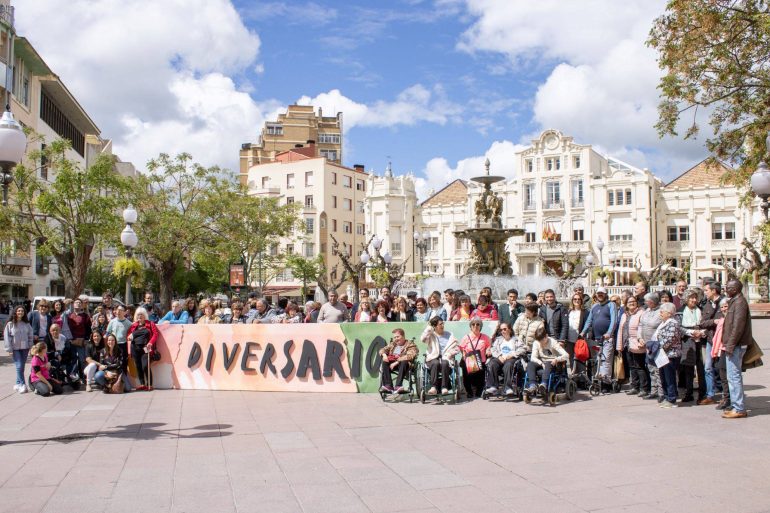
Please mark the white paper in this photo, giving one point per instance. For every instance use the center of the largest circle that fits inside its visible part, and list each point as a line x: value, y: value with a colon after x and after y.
x: 661, y: 359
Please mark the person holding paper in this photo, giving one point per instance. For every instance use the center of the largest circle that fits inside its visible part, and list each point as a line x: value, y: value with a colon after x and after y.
x: 668, y: 336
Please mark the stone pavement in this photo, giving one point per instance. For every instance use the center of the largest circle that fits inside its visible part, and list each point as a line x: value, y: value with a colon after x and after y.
x: 219, y: 452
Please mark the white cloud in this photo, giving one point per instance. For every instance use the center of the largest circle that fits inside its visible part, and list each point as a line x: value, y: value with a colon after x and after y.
x: 413, y: 105
x: 438, y: 172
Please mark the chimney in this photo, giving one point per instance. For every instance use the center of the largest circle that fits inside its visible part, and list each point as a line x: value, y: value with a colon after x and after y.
x: 359, y: 167
x: 310, y: 142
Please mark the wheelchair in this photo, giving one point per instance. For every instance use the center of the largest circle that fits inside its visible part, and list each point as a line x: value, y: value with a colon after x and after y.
x: 559, y: 382
x: 519, y: 372
x: 414, y: 384
x: 596, y: 386
x: 455, y: 382
x: 59, y: 367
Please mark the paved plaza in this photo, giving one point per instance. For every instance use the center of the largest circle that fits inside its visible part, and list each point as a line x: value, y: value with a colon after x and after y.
x: 217, y: 452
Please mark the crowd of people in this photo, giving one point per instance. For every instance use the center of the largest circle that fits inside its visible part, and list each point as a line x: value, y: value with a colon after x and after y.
x: 665, y: 340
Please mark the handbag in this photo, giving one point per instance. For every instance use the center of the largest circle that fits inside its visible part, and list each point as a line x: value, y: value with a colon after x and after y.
x: 688, y: 352
x: 473, y: 360
x: 619, y: 368
x: 115, y: 386
x: 154, y: 354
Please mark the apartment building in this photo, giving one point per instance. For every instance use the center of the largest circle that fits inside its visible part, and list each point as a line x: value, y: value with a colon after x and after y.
x: 300, y: 126
x: 332, y: 198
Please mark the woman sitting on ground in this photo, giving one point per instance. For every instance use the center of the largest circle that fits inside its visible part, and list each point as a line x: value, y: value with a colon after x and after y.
x: 506, y: 351
x: 439, y: 356
x: 528, y: 324
x: 209, y: 316
x: 397, y: 356
x: 41, y: 381
x: 110, y: 368
x: 94, y: 348
x: 546, y: 354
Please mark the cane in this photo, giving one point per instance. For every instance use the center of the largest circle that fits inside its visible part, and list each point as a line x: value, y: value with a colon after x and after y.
x: 149, y: 371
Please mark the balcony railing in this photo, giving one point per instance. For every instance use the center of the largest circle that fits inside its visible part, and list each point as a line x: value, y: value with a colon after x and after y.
x: 555, y: 246
x: 530, y: 206
x: 553, y: 205
x: 7, y: 14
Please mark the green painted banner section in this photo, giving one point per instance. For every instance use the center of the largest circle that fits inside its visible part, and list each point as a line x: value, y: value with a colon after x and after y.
x: 365, y: 339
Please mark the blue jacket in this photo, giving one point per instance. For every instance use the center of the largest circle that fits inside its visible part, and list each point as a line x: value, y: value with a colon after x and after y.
x: 172, y: 319
x: 34, y: 320
x: 593, y: 318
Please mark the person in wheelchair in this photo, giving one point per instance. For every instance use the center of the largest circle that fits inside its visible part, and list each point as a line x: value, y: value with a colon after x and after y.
x: 506, y: 352
x: 546, y: 354
x: 439, y: 357
x: 397, y: 356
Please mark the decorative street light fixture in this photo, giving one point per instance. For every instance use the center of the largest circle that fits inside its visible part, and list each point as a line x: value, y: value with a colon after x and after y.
x: 13, y: 142
x: 129, y: 240
x: 760, y: 185
x: 379, y: 259
x: 421, y: 243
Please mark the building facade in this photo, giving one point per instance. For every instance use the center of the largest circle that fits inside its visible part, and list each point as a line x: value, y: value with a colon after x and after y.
x: 298, y: 127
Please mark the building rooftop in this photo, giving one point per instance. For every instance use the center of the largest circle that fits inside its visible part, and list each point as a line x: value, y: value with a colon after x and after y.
x: 455, y: 192
x: 705, y: 173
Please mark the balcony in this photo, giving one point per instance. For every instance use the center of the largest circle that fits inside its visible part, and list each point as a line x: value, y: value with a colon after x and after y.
x: 530, y: 206
x: 677, y: 245
x: 6, y: 14
x: 272, y: 192
x: 554, y: 247
x: 577, y: 203
x: 553, y: 205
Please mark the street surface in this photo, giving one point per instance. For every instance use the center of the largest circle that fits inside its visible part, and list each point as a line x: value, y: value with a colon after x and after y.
x: 219, y: 452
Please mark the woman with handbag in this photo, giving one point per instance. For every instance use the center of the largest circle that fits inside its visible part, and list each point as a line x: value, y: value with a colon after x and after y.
x: 628, y: 329
x: 475, y: 347
x: 691, y: 317
x: 440, y: 354
x: 576, y: 317
x: 142, y: 336
x: 110, y: 371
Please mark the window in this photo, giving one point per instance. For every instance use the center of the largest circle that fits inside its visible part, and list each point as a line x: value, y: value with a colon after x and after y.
x: 458, y: 269
x: 265, y: 182
x: 578, y: 230
x: 334, y: 225
x: 530, y: 165
x: 678, y: 233
x: 273, y: 249
x: 552, y: 230
x: 625, y: 236
x: 334, y: 201
x: 309, y: 201
x: 432, y: 244
x: 309, y: 224
x: 611, y: 198
x: 529, y: 232
x: 619, y: 196
x: 461, y: 244
x: 329, y: 138
x: 530, y: 268
x: 529, y: 196
x: 621, y: 228
x: 309, y: 249
x: 329, y: 154
x: 360, y: 185
x: 729, y: 261
x: 553, y: 193
x: 308, y: 179
x: 577, y: 193
x: 628, y: 196
x: 43, y: 163
x: 395, y: 249
x: 334, y: 178
x: 273, y: 129
x: 290, y: 181
x: 347, y: 227
x: 359, y: 229
x: 553, y: 164
x: 723, y: 231
x: 347, y: 204
x: 360, y: 207
x: 289, y: 200
x: 347, y: 182
x: 289, y: 249
x: 576, y: 161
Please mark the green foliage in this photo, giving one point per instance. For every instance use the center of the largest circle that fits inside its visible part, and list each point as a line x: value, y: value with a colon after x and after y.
x: 125, y: 267
x: 380, y: 276
x: 99, y: 278
x: 306, y: 269
x: 715, y: 54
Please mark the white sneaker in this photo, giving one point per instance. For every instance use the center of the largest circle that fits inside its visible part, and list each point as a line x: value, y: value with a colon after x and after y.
x: 23, y: 389
x: 492, y: 390
x: 16, y: 387
x: 509, y: 392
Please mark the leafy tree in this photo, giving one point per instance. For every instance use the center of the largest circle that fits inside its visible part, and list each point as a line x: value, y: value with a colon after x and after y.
x: 100, y: 278
x: 69, y: 216
x: 306, y: 269
x: 715, y: 54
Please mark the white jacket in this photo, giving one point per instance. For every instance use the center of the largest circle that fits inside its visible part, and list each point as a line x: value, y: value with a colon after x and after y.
x: 429, y: 337
x: 551, y: 351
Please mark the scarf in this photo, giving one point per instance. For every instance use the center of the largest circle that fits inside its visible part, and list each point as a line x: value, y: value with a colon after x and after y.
x: 690, y: 318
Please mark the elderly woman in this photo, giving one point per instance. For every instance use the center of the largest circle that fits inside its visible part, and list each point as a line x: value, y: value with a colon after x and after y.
x: 142, y: 336
x: 439, y: 356
x: 421, y: 312
x: 527, y: 325
x: 668, y: 335
x: 691, y: 317
x: 628, y: 331
x: 648, y: 323
x: 397, y: 356
x: 209, y: 315
x: 475, y: 345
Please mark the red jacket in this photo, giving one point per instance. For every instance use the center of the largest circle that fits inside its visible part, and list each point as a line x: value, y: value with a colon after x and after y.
x: 488, y: 314
x: 150, y: 326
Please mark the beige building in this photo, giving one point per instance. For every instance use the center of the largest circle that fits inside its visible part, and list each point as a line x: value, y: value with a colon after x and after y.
x: 332, y: 198
x: 300, y: 126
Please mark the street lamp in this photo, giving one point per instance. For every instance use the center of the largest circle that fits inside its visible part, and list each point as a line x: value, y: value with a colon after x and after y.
x: 421, y: 243
x: 760, y: 184
x: 129, y: 240
x: 379, y: 259
x: 13, y: 142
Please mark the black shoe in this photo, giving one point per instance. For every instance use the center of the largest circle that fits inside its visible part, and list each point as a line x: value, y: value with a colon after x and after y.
x: 688, y: 399
x: 660, y: 399
x: 633, y: 391
x: 650, y: 396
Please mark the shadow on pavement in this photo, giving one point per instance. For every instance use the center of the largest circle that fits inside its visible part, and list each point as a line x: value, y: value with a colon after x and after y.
x: 145, y: 431
x: 758, y: 405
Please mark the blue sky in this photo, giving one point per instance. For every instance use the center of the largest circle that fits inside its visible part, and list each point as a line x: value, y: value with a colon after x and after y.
x: 436, y: 85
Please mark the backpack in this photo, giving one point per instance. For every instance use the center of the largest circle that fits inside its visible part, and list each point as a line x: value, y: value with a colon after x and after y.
x: 581, y: 350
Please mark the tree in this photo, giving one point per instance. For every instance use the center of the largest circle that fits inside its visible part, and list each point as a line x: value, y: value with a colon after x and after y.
x: 306, y: 269
x: 715, y: 55
x: 69, y: 216
x: 100, y: 278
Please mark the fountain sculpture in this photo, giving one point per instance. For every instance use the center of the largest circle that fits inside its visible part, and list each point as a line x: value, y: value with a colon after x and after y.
x: 488, y: 237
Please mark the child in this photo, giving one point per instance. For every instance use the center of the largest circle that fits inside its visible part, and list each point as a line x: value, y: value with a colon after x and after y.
x: 40, y: 379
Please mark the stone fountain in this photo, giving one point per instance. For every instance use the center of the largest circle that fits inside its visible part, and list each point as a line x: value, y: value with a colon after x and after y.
x: 487, y: 236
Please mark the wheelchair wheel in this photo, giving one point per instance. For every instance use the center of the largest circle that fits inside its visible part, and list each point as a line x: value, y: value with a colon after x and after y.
x: 571, y: 390
x: 456, y: 395
x: 616, y: 386
x: 595, y: 389
x: 552, y: 398
x: 422, y: 396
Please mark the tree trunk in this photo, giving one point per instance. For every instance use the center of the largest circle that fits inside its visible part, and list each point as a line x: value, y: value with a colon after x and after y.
x: 73, y: 267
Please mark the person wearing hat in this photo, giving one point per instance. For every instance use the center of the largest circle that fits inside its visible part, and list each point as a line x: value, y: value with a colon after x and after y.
x: 601, y: 326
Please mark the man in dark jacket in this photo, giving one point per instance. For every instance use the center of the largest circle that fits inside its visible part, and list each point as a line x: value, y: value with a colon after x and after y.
x: 511, y: 310
x: 553, y: 315
x: 712, y: 291
x: 736, y: 337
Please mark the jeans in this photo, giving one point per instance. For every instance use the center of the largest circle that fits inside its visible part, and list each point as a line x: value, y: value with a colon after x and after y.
x: 640, y: 379
x: 532, y: 368
x: 735, y: 378
x: 708, y: 371
x: 90, y: 371
x: 20, y: 361
x: 80, y: 352
x: 700, y: 370
x: 44, y: 390
x: 668, y: 379
x: 101, y: 379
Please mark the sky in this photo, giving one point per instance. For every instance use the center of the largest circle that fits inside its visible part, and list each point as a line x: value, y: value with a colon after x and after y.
x: 435, y: 86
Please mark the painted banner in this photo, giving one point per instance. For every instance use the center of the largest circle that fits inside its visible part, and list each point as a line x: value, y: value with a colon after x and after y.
x: 281, y: 357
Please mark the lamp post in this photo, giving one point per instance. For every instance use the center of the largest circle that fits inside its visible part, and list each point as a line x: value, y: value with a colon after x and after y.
x: 13, y: 142
x: 590, y: 261
x: 760, y: 185
x: 383, y: 259
x: 129, y: 240
x: 611, y: 256
x: 421, y: 243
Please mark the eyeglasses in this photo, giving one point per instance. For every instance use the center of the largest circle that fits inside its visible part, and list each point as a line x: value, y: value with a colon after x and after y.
x: 475, y: 325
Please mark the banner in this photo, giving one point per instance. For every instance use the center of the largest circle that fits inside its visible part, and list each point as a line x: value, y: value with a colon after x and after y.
x: 281, y: 357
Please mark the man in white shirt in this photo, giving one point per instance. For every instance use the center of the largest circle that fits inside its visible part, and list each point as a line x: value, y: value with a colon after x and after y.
x: 333, y: 310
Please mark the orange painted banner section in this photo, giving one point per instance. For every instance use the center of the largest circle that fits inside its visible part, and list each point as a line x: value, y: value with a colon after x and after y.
x: 273, y: 357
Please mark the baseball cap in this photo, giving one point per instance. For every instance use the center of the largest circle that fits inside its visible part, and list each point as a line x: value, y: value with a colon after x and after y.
x: 601, y: 290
